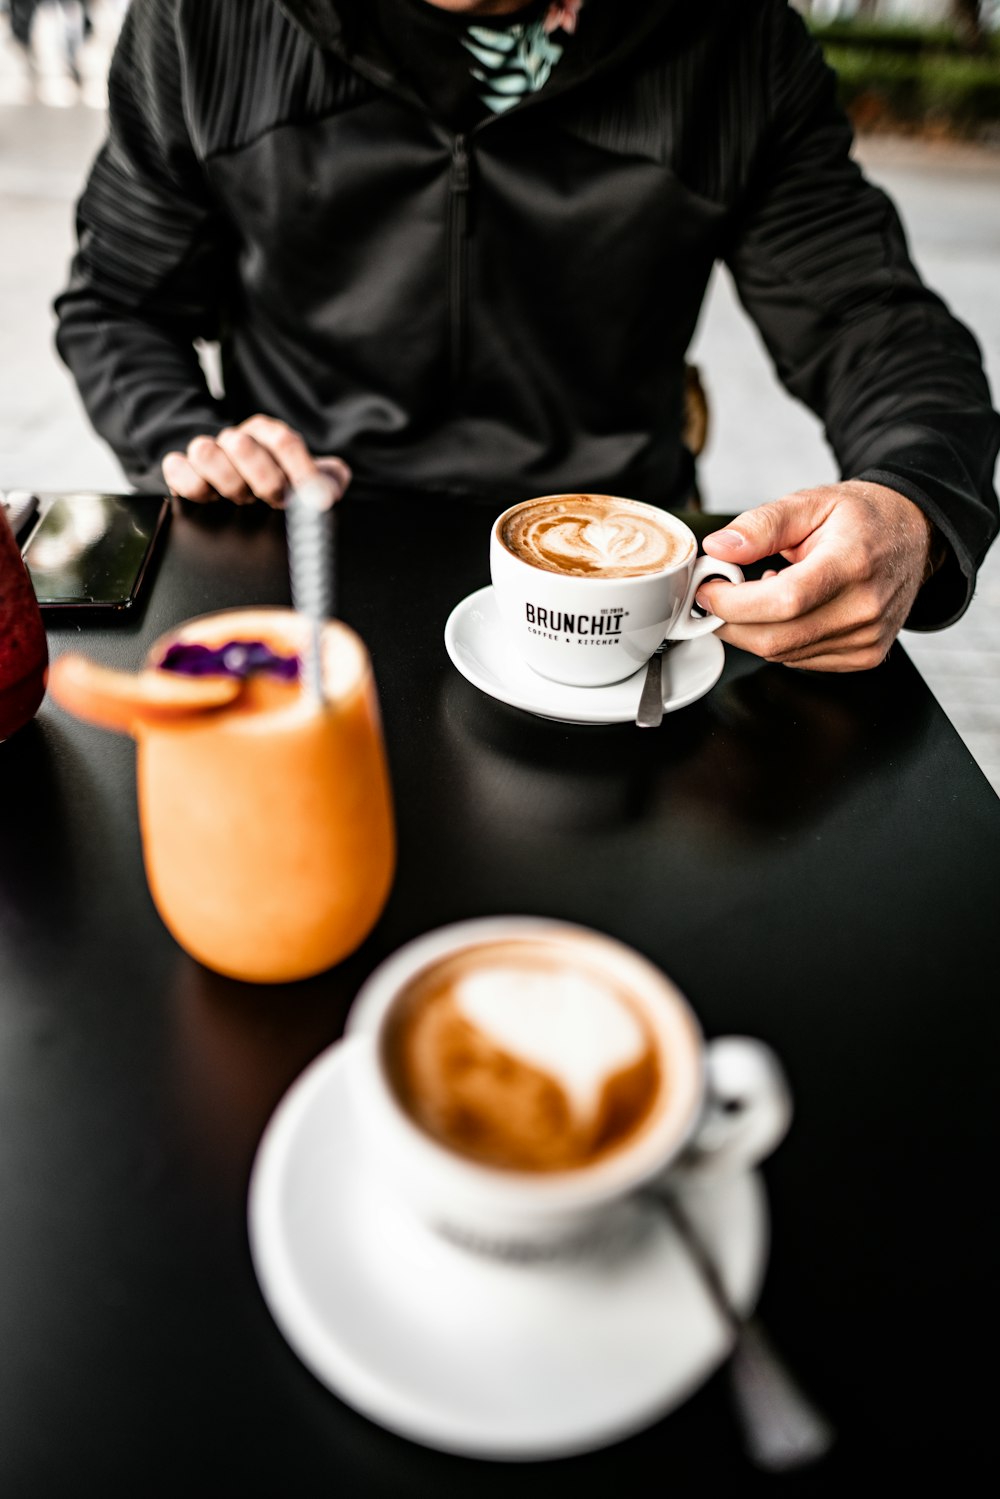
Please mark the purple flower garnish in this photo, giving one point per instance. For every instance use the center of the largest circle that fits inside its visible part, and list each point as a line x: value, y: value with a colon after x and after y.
x: 237, y: 658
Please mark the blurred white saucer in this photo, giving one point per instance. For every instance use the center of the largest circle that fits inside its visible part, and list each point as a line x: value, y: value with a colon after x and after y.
x: 470, y: 1354
x: 479, y: 647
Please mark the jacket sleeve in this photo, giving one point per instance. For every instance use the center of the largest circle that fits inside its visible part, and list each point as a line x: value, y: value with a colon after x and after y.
x: 820, y: 262
x: 150, y: 263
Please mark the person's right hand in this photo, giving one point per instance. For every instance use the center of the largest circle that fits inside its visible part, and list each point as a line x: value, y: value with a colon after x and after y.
x: 261, y: 459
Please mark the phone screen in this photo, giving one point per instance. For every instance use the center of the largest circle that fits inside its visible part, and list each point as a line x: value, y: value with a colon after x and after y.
x: 91, y: 551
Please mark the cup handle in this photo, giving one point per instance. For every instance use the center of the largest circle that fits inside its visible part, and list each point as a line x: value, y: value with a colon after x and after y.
x: 687, y: 625
x: 748, y: 1107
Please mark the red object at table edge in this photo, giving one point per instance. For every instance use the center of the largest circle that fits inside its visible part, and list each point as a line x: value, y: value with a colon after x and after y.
x: 24, y: 656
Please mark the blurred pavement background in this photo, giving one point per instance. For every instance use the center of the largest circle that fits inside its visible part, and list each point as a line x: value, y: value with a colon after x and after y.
x: 761, y: 443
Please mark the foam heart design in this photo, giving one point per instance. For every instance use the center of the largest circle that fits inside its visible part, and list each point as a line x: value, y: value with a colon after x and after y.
x: 615, y: 541
x: 565, y: 1023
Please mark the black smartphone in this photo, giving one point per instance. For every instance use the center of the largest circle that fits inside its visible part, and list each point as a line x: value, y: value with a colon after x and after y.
x: 20, y: 508
x: 92, y: 551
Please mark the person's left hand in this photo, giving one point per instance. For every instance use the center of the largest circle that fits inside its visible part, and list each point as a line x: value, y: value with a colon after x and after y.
x: 858, y: 553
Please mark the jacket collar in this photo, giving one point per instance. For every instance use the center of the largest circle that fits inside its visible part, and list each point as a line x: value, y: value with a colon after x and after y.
x: 612, y: 33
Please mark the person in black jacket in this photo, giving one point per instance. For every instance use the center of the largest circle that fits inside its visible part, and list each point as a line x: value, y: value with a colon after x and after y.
x: 463, y: 244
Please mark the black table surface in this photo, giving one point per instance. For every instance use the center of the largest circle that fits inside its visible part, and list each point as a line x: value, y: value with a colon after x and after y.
x: 813, y: 859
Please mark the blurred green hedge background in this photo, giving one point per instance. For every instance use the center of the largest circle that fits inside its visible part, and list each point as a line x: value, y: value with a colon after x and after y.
x: 941, y: 79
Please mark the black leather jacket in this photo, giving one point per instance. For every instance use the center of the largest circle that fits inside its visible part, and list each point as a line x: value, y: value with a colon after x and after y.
x: 507, y: 311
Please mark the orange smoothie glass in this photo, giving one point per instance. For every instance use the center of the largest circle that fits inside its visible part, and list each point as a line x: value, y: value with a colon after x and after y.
x: 267, y: 824
x: 266, y: 816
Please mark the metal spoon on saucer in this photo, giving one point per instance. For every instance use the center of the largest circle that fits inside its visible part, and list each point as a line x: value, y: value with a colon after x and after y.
x: 650, y: 714
x: 782, y: 1428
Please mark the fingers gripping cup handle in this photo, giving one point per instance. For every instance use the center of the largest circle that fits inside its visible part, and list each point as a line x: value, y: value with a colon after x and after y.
x: 687, y: 625
x: 748, y: 1106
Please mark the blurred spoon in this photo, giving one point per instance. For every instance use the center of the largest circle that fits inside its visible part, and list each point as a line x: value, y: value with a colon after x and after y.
x: 782, y: 1428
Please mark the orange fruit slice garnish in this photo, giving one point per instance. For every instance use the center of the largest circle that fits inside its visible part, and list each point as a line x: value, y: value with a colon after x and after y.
x: 121, y: 700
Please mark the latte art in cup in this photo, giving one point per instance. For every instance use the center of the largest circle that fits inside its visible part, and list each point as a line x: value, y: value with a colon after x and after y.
x: 588, y: 585
x: 516, y: 1080
x: 524, y: 1056
x: 592, y: 536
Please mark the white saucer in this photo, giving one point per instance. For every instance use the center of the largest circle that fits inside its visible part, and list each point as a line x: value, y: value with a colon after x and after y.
x: 475, y: 1355
x: 479, y: 647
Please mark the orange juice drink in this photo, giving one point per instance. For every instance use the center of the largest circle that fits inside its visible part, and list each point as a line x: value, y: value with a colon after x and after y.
x: 266, y: 817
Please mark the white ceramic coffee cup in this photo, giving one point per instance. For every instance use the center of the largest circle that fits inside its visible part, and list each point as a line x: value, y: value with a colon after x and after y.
x: 727, y: 1107
x: 614, y: 624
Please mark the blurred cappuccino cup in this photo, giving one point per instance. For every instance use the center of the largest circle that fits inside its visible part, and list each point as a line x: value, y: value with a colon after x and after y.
x: 589, y: 584
x: 515, y: 1078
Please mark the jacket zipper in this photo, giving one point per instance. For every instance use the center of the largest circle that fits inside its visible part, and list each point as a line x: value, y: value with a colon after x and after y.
x: 459, y: 187
x: 458, y: 232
